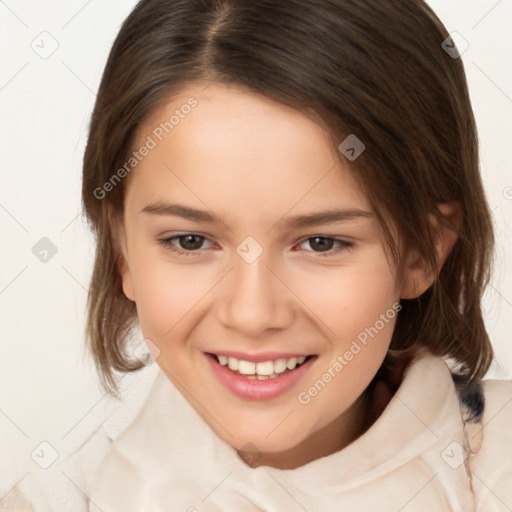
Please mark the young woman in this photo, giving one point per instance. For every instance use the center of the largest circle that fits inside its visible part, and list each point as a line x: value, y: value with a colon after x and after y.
x: 287, y: 202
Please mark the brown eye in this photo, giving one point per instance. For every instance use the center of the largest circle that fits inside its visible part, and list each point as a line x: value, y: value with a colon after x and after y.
x: 186, y: 244
x: 190, y: 242
x: 321, y: 244
x: 326, y: 246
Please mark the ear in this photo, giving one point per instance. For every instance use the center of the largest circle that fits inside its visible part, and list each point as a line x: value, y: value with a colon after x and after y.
x: 119, y: 236
x: 419, y: 276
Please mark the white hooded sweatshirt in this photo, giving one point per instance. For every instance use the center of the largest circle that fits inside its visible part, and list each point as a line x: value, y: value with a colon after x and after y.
x: 431, y: 450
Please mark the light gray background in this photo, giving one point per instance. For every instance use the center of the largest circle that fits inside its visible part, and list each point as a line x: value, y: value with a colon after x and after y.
x: 48, y: 390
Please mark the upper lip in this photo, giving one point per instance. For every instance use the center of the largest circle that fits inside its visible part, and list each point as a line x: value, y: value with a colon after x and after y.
x: 260, y: 357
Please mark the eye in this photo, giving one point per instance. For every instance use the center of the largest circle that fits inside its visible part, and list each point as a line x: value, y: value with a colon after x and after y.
x: 190, y: 244
x: 186, y: 244
x: 324, y: 244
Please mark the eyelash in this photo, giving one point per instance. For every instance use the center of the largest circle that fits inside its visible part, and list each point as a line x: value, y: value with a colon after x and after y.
x: 167, y: 244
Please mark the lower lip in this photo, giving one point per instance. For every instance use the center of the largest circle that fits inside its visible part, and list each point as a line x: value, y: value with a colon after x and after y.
x: 254, y: 389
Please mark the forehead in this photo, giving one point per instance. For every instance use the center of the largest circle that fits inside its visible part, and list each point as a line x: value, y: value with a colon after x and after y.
x: 235, y: 148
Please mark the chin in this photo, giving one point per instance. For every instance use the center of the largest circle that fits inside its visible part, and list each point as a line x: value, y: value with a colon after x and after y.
x: 267, y: 440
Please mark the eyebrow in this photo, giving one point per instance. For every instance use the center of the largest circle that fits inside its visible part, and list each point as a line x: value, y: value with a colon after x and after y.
x: 291, y: 222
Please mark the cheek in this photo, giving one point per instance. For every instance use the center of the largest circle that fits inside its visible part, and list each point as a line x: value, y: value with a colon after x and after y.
x: 349, y: 298
x: 165, y: 293
x: 355, y: 305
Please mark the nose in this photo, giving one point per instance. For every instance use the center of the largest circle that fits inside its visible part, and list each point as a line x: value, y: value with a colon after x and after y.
x: 254, y: 299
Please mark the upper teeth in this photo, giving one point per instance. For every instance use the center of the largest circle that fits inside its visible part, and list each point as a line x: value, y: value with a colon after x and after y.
x: 265, y: 368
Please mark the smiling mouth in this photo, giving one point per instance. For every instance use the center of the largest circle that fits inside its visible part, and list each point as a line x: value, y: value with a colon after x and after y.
x: 264, y: 370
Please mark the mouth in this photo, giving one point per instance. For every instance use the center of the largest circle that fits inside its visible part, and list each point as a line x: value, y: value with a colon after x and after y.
x: 262, y: 370
x: 262, y: 378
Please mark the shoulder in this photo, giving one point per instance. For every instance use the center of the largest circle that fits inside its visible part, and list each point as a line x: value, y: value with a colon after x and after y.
x: 491, y: 446
x: 67, y: 485
x: 63, y: 486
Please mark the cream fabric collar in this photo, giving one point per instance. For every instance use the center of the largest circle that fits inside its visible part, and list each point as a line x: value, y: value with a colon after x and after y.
x: 168, y: 458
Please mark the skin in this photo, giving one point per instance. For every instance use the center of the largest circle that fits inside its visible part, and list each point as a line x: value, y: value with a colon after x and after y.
x: 254, y: 163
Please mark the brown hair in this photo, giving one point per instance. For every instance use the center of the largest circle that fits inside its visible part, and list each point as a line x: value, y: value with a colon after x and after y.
x: 365, y: 67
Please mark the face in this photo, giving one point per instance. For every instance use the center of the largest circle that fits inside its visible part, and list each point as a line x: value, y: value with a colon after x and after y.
x: 271, y: 314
